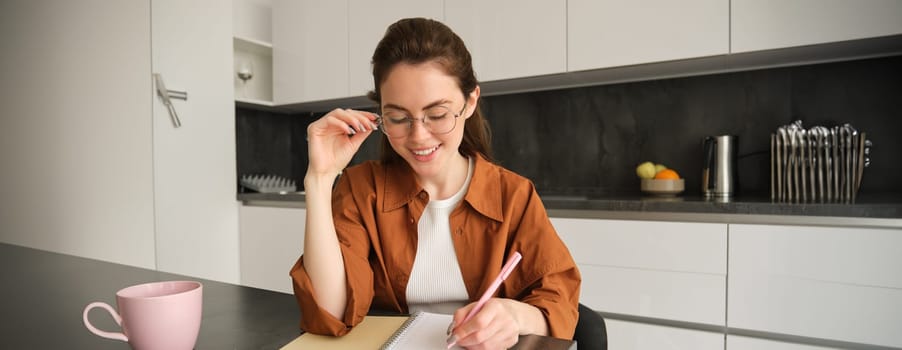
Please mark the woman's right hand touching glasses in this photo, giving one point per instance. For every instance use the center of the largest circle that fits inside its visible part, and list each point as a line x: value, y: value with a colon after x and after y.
x: 331, y: 142
x: 333, y: 139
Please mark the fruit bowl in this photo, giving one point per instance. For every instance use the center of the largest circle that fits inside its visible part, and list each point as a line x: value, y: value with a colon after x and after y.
x: 663, y: 187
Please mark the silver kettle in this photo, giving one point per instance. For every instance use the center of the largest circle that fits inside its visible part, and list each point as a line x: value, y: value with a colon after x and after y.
x: 719, y: 170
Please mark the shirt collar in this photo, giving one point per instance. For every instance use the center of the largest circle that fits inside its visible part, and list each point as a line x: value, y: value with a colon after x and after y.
x: 400, y: 186
x: 484, y: 193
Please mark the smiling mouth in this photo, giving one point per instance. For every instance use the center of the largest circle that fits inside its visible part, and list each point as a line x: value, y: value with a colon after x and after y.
x: 425, y: 152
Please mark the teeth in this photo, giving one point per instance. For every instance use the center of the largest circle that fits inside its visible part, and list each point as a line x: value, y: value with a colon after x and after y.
x: 425, y: 152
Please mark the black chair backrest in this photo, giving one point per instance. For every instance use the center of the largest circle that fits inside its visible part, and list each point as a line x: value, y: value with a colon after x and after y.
x: 591, y: 333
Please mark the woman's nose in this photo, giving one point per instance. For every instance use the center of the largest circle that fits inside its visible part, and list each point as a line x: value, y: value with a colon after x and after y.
x: 418, y: 129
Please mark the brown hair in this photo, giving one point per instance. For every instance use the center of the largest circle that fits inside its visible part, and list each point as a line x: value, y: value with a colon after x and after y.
x: 420, y: 40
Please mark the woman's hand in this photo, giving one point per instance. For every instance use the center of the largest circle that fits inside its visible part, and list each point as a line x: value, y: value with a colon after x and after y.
x: 497, y: 325
x: 333, y: 139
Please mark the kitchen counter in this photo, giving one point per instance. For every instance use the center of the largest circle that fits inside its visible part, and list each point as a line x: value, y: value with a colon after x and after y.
x: 883, y: 210
x: 46, y: 293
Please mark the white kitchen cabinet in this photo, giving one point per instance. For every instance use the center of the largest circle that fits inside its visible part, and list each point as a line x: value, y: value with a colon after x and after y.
x: 771, y: 24
x: 623, y: 335
x: 272, y: 240
x: 310, y: 50
x: 99, y: 171
x: 195, y: 211
x: 252, y: 20
x: 367, y: 22
x: 510, y: 38
x: 666, y: 270
x: 835, y: 283
x: 610, y: 33
x: 322, y: 49
x: 252, y: 39
x: 76, y: 140
x: 747, y: 343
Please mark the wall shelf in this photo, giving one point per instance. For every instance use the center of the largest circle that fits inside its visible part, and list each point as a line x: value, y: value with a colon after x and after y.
x: 259, y: 105
x: 258, y: 55
x: 252, y: 45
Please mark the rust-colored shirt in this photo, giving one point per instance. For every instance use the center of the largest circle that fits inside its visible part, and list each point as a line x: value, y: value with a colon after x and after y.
x: 376, y: 208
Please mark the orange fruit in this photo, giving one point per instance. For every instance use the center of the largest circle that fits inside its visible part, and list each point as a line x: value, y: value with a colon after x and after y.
x: 667, y: 174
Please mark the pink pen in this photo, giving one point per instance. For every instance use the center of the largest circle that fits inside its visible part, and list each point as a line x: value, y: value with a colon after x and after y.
x: 505, y: 271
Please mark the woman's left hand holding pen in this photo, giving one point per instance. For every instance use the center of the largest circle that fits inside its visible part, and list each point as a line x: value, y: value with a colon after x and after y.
x: 498, y: 325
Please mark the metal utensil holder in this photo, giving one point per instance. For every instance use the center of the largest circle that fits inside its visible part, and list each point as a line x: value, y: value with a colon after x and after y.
x: 819, y: 164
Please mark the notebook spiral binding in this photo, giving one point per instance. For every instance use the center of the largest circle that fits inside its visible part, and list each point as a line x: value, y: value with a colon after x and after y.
x: 393, y: 340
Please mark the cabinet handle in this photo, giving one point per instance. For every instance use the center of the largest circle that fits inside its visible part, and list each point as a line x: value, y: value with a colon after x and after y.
x: 166, y: 95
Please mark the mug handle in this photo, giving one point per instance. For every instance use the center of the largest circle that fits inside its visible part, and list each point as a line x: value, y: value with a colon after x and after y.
x: 116, y: 317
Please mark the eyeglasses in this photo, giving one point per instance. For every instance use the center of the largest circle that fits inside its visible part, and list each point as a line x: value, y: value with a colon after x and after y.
x: 438, y: 120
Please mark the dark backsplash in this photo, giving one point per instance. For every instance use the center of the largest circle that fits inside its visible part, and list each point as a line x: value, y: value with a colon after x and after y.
x: 589, y: 140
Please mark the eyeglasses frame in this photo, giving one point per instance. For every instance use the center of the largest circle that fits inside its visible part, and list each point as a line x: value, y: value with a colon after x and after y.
x: 411, y: 120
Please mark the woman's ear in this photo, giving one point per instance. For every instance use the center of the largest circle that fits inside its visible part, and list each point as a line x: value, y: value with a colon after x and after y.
x: 472, y: 100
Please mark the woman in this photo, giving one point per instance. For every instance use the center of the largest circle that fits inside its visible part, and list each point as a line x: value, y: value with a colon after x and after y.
x: 429, y: 226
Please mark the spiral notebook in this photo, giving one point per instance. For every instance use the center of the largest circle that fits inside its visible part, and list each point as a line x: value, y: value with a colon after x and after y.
x: 427, y: 331
x: 423, y: 330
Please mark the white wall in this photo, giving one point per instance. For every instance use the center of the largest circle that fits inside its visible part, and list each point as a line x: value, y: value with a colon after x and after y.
x: 75, y: 131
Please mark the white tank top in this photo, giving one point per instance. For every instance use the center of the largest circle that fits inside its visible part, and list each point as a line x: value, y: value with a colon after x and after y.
x: 436, y: 284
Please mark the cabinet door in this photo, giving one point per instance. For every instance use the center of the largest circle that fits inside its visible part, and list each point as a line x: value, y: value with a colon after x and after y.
x: 747, y: 343
x: 668, y: 270
x: 195, y: 211
x: 770, y: 24
x: 310, y: 50
x: 252, y: 19
x: 821, y: 282
x: 367, y: 21
x: 76, y: 135
x: 272, y: 240
x: 623, y: 335
x: 609, y: 33
x: 511, y: 38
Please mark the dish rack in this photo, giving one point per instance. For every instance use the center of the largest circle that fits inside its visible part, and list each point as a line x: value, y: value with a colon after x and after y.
x: 268, y: 183
x: 819, y: 164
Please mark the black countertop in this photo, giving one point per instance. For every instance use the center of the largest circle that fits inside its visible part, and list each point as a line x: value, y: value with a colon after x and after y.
x: 881, y: 206
x: 875, y: 206
x: 44, y: 294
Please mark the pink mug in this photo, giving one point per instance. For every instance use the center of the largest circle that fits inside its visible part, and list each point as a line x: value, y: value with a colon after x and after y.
x: 158, y: 315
